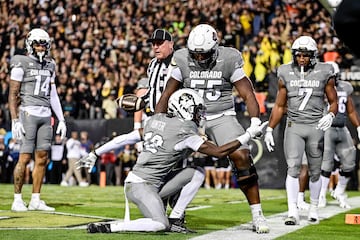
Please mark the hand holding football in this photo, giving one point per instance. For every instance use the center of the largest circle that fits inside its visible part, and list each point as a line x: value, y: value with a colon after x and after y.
x: 131, y: 102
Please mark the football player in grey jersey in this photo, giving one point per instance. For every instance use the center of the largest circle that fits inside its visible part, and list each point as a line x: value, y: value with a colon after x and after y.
x: 32, y: 84
x: 213, y: 71
x: 338, y: 140
x: 150, y: 89
x: 303, y: 85
x: 168, y: 138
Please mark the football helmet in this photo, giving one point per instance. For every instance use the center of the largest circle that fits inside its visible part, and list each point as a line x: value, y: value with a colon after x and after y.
x: 305, y: 45
x: 38, y: 36
x: 187, y: 104
x: 203, y: 45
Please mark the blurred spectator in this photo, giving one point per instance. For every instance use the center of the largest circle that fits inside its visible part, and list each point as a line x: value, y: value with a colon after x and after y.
x: 69, y: 106
x: 74, y: 153
x: 87, y: 145
x: 108, y: 161
x: 106, y: 41
x: 6, y: 167
x: 58, y: 160
x: 128, y: 158
x: 109, y: 105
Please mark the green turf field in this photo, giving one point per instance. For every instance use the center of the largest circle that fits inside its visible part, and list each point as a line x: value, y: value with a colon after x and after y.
x: 211, y: 210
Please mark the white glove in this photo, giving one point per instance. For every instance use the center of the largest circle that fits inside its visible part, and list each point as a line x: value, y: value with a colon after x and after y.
x: 87, y: 162
x: 358, y: 131
x: 254, y: 125
x: 61, y: 129
x: 255, y: 121
x: 17, y: 129
x: 269, y: 139
x: 251, y: 132
x: 326, y: 121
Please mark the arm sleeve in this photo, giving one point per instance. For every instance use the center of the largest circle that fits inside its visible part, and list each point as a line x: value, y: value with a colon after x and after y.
x: 55, y: 103
x: 17, y: 74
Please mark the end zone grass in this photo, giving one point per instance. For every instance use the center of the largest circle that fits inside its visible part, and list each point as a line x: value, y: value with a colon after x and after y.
x: 211, y: 210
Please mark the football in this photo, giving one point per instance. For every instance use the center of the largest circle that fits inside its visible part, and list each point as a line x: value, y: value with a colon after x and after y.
x: 131, y: 102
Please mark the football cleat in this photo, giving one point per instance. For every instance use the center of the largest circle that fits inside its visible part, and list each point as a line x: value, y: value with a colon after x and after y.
x: 19, y: 206
x: 341, y: 198
x: 178, y: 225
x: 39, y: 205
x: 302, y: 205
x: 98, y: 228
x: 313, y: 216
x: 260, y: 225
x: 292, y: 220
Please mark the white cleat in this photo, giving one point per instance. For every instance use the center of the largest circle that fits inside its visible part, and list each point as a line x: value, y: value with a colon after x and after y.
x: 342, y: 199
x: 39, y: 206
x: 19, y: 206
x: 322, y: 201
x: 313, y: 216
x: 260, y: 225
x: 302, y: 205
x: 292, y: 220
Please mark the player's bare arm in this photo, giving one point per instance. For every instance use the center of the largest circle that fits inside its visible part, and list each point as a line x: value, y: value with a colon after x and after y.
x: 219, y: 152
x: 351, y: 112
x: 14, y: 88
x: 246, y: 92
x: 171, y: 86
x: 280, y: 105
x: 332, y: 95
x: 138, y: 115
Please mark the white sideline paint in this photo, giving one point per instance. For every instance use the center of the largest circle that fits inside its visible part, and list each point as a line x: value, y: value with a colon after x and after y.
x: 276, y: 224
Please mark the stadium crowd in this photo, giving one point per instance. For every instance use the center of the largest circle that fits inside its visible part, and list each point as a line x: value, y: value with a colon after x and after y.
x: 101, y: 51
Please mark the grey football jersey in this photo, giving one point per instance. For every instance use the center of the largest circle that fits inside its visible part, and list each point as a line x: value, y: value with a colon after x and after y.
x: 214, y: 85
x: 344, y: 90
x: 159, y: 156
x: 305, y: 98
x: 35, y: 86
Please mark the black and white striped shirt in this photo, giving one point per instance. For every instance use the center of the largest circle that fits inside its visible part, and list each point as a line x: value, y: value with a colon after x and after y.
x: 158, y: 73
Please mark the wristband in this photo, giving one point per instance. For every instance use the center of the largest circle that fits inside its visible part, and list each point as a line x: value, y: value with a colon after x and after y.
x: 137, y: 125
x: 269, y: 129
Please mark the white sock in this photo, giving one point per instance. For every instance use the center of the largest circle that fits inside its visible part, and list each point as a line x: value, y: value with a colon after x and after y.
x: 17, y: 196
x: 324, y: 185
x: 138, y: 225
x: 35, y: 196
x: 256, y: 210
x: 341, y: 186
x: 292, y: 190
x: 187, y: 194
x: 315, y: 188
x: 301, y: 197
x: 119, y: 141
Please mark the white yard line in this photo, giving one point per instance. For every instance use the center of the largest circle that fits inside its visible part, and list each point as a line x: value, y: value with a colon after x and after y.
x: 276, y: 223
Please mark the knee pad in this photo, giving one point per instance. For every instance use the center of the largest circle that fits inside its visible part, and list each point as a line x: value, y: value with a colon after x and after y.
x: 325, y: 173
x: 246, y: 178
